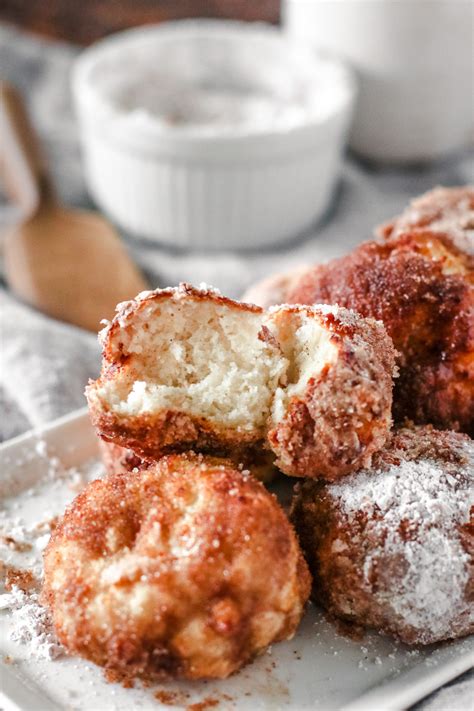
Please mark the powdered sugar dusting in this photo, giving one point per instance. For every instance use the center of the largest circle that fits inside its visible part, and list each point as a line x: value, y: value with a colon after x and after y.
x: 23, y: 538
x: 415, y: 510
x: 32, y: 625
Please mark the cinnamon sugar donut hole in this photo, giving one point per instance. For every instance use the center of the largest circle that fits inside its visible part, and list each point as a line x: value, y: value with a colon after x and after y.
x: 187, y: 569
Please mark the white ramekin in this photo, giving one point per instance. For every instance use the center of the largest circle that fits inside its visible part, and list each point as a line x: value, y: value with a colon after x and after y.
x: 239, y: 190
x: 414, y: 63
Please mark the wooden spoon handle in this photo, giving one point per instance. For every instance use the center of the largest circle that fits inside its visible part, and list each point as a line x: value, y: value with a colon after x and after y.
x: 22, y: 166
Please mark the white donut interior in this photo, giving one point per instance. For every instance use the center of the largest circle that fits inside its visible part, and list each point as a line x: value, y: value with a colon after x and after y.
x: 235, y: 367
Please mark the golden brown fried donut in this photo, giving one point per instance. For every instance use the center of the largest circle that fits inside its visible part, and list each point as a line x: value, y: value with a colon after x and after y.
x: 392, y: 547
x: 421, y: 285
x: 119, y: 459
x: 187, y: 569
x: 189, y: 369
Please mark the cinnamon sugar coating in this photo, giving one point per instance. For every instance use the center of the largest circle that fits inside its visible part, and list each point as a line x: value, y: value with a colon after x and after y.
x: 392, y: 547
x: 187, y: 569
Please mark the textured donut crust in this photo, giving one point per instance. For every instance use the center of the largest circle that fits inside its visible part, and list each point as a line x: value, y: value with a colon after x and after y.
x: 187, y: 569
x: 154, y: 435
x: 344, y: 414
x: 332, y: 428
x: 337, y: 547
x: 422, y: 288
x: 117, y: 459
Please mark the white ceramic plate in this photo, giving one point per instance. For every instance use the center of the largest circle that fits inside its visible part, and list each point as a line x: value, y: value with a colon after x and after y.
x: 318, y: 669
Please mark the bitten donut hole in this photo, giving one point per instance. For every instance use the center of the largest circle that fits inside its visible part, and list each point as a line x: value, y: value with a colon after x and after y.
x: 186, y: 368
x: 205, y: 359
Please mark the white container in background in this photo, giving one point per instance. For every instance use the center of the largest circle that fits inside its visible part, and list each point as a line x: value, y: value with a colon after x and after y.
x: 211, y: 134
x: 415, y: 64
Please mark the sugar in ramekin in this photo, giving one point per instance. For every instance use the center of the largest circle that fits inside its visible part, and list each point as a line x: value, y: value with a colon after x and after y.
x: 211, y: 134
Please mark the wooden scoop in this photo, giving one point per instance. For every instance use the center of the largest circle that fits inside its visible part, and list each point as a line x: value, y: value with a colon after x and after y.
x: 68, y: 263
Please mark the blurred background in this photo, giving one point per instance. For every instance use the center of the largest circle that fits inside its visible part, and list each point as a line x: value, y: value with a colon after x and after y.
x: 88, y: 21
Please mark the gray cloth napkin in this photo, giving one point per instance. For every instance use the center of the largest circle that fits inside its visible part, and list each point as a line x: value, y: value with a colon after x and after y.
x: 46, y: 364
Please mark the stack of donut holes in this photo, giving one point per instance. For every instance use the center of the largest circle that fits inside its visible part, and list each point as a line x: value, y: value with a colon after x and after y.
x: 180, y: 563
